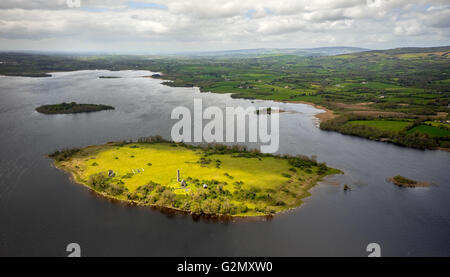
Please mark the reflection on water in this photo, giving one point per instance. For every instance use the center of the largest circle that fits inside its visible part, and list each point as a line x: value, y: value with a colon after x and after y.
x: 41, y: 211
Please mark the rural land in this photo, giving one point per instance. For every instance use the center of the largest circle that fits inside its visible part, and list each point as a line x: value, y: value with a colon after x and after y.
x: 399, y: 96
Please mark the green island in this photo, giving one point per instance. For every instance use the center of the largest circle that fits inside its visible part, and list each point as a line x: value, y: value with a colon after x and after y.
x: 407, y: 183
x: 72, y: 108
x: 399, y: 95
x: 212, y: 179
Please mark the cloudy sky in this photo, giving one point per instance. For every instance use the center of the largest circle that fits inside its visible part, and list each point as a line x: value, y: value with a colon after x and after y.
x: 196, y: 25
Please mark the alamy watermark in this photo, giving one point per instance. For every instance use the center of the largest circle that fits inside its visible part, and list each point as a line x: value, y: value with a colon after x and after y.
x: 235, y: 130
x: 74, y: 250
x: 73, y: 3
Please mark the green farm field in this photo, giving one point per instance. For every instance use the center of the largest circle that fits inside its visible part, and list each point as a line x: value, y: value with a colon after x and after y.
x: 234, y: 183
x: 385, y: 125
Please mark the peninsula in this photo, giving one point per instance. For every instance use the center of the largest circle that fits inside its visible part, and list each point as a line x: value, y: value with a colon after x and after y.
x: 203, y: 180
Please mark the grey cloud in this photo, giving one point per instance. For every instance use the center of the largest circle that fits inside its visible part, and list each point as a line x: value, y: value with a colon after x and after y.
x: 200, y: 25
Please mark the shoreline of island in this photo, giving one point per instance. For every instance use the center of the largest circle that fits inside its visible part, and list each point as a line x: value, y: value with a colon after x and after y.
x: 167, y: 210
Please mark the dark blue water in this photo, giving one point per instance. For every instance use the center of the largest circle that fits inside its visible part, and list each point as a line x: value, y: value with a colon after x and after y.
x: 41, y: 211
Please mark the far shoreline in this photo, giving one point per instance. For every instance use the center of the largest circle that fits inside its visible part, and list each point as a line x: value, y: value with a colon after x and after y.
x: 323, y: 117
x: 174, y: 211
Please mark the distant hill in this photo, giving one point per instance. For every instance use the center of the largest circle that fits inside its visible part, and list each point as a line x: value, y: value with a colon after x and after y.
x: 241, y: 53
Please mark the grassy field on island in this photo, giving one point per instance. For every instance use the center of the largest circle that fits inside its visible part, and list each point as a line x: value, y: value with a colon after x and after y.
x: 238, y: 182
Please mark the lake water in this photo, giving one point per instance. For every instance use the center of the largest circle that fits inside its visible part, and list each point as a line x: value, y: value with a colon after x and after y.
x: 41, y: 211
